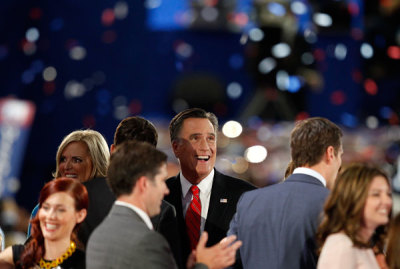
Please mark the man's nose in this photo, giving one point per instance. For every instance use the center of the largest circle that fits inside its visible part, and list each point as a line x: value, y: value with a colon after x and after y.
x: 204, y: 144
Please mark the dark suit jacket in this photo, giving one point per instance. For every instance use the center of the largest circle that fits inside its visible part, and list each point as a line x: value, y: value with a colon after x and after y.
x: 101, y: 199
x: 219, y: 213
x: 277, y: 224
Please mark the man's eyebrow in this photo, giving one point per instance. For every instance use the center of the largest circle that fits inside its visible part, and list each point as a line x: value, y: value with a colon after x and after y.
x: 196, y: 134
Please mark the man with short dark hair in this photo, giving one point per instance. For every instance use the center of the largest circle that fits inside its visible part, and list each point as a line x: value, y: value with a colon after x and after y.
x: 101, y: 198
x: 277, y: 224
x: 205, y: 199
x: 125, y: 239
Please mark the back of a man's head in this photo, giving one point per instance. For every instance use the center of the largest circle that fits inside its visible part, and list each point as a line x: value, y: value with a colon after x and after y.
x: 135, y: 128
x: 130, y: 161
x: 310, y: 138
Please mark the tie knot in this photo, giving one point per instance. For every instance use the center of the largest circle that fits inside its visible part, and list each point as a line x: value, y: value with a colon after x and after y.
x: 195, y: 190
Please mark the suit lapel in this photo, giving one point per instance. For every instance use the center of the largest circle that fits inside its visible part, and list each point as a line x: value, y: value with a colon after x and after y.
x: 219, y: 203
x: 175, y: 198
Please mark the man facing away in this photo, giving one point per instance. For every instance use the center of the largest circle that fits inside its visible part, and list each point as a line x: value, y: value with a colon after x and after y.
x: 101, y: 197
x: 125, y: 239
x: 205, y: 199
x: 277, y: 223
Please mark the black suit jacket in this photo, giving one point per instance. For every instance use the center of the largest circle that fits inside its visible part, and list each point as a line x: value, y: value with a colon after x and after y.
x: 101, y: 200
x: 225, y: 193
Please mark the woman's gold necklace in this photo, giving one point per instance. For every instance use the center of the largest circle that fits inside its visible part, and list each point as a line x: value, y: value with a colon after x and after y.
x: 60, y: 260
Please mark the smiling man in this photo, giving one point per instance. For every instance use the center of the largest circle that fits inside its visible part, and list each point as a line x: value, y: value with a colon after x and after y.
x: 126, y: 238
x: 205, y: 199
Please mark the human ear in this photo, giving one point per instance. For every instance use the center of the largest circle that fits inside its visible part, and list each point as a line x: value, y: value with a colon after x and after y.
x: 175, y: 147
x: 112, y: 148
x: 330, y: 153
x: 81, y: 215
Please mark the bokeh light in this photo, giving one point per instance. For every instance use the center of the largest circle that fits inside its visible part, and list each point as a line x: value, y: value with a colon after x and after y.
x: 256, y: 34
x: 277, y: 9
x: 108, y: 17
x: 121, y: 10
x: 298, y: 7
x: 340, y: 51
x: 338, y: 97
x: 49, y: 73
x: 74, y: 89
x: 372, y: 122
x: 32, y: 34
x: 232, y: 129
x: 394, y: 52
x: 267, y: 65
x: 370, y: 86
x: 209, y: 13
x: 366, y: 50
x: 256, y: 154
x: 322, y: 19
x: 281, y: 50
x: 234, y: 90
x: 77, y: 53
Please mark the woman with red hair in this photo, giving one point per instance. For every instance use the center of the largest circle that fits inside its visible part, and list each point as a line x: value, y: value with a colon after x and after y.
x: 63, y: 204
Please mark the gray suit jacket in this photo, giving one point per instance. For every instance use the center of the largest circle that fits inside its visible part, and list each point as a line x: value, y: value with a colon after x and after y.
x: 277, y: 224
x: 123, y: 240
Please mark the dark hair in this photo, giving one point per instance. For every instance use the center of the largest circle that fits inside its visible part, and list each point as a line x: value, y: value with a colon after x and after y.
x: 343, y: 210
x: 176, y: 123
x: 135, y: 128
x: 309, y: 140
x: 393, y: 246
x: 130, y: 161
x: 35, y: 249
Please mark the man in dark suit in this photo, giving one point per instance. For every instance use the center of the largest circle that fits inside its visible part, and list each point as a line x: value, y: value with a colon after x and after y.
x: 193, y: 134
x: 125, y: 239
x: 277, y: 224
x: 101, y: 198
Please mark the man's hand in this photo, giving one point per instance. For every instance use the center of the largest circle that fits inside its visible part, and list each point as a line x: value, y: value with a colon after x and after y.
x: 220, y: 255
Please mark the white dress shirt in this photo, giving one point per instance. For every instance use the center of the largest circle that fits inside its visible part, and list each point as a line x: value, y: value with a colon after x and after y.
x: 310, y: 172
x: 143, y: 215
x: 205, y: 191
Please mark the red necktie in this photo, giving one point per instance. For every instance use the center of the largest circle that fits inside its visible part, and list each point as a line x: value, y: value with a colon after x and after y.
x: 193, y: 217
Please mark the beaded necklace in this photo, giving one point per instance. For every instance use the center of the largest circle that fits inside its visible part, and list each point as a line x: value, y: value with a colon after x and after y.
x: 54, y: 263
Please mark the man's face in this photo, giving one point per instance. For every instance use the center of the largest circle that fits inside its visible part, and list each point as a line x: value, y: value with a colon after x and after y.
x: 196, y: 148
x: 156, y: 190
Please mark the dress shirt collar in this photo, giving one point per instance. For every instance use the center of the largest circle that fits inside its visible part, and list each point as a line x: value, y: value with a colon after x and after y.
x: 205, y: 184
x: 137, y: 210
x: 310, y: 172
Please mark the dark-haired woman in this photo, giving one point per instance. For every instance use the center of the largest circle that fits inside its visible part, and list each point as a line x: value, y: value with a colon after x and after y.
x: 357, y: 214
x: 63, y: 205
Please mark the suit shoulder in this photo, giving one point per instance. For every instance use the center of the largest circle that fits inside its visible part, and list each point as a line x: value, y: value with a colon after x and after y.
x: 95, y: 183
x: 172, y: 181
x: 235, y: 183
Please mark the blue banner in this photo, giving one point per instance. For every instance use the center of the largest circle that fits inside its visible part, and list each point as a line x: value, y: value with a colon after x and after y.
x: 16, y: 117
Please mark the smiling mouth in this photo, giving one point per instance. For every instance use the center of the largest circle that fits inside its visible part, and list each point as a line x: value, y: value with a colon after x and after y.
x: 70, y: 176
x: 203, y: 157
x: 51, y: 226
x: 383, y: 211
